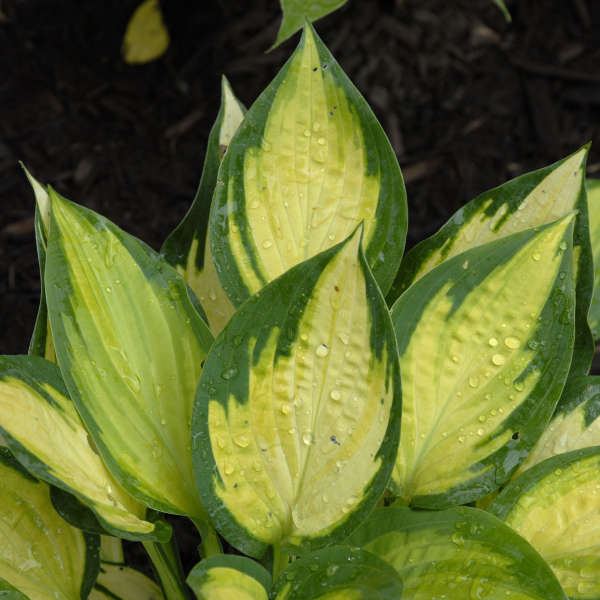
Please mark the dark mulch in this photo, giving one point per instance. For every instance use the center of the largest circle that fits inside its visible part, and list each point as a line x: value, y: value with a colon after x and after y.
x: 468, y: 101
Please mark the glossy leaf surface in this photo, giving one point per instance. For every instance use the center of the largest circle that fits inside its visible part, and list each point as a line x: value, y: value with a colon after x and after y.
x: 146, y: 36
x: 593, y: 195
x: 188, y: 247
x: 130, y: 346
x: 295, y: 13
x: 47, y: 436
x: 291, y: 433
x: 307, y: 165
x: 574, y: 425
x: 229, y: 576
x: 555, y: 505
x: 40, y: 555
x: 339, y: 573
x: 528, y: 201
x: 455, y: 554
x: 485, y: 343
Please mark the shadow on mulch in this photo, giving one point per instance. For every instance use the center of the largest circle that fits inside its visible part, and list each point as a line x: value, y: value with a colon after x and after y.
x: 467, y: 100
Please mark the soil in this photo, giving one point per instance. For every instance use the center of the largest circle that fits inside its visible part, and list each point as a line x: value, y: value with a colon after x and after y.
x: 467, y: 99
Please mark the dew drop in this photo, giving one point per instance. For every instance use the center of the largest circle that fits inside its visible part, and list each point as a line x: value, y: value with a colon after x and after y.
x: 322, y: 350
x: 465, y: 265
x: 454, y: 359
x: 481, y: 418
x: 519, y: 386
x: 536, y: 256
x: 307, y: 132
x: 336, y: 395
x: 461, y: 439
x: 230, y: 373
x: 473, y: 381
x: 331, y: 236
x: 316, y: 126
x: 493, y: 342
x: 284, y: 409
x: 331, y: 570
x: 321, y: 141
x: 267, y: 244
x: 480, y: 432
x: 163, y: 422
x: 563, y: 245
x: 512, y: 342
x: 254, y: 204
x: 498, y: 359
x: 228, y: 468
x: 212, y: 294
x: 242, y: 441
x: 108, y: 290
x: 307, y: 438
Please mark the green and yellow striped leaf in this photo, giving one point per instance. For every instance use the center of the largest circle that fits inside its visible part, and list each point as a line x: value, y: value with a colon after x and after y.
x: 528, y: 201
x: 111, y: 550
x: 308, y: 163
x: 225, y: 576
x: 187, y: 248
x: 555, y: 505
x: 41, y: 343
x: 45, y: 433
x: 297, y: 413
x: 119, y: 582
x: 459, y: 553
x: 296, y: 12
x: 40, y: 555
x: 485, y: 342
x: 130, y: 346
x: 339, y: 573
x: 574, y: 425
x: 593, y: 195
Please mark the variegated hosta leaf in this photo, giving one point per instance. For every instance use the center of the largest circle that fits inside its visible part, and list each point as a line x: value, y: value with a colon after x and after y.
x: 485, y: 343
x: 296, y: 12
x: 593, y: 195
x: 229, y: 576
x: 130, y: 346
x: 339, y: 573
x: 188, y: 247
x: 555, y: 505
x: 41, y: 343
x: 455, y: 554
x: 47, y: 436
x: 308, y: 163
x: 574, y: 425
x: 119, y: 582
x: 40, y: 555
x: 297, y: 412
x: 528, y: 201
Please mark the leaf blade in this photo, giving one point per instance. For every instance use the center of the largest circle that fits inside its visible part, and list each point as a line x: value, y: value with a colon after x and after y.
x: 270, y: 439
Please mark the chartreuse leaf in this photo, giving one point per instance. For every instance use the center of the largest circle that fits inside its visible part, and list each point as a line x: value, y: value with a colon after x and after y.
x: 146, y: 36
x: 118, y: 582
x: 226, y: 576
x: 296, y: 12
x: 46, y: 435
x: 111, y: 550
x: 528, y: 201
x: 188, y: 247
x: 485, y: 343
x: 339, y: 573
x: 308, y: 163
x: 296, y: 423
x: 130, y: 346
x: 593, y: 194
x: 574, y: 425
x: 456, y: 553
x: 40, y: 555
x: 41, y: 343
x: 555, y: 505
x: 500, y: 4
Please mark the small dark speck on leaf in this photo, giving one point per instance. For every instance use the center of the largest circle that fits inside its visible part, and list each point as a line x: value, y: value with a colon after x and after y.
x: 235, y: 485
x: 336, y: 288
x: 515, y: 435
x: 315, y: 68
x: 334, y: 440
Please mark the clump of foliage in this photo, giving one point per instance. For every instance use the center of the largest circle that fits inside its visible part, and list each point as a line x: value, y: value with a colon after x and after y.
x: 356, y: 404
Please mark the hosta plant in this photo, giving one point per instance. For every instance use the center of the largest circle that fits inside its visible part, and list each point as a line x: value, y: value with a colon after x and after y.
x: 336, y: 419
